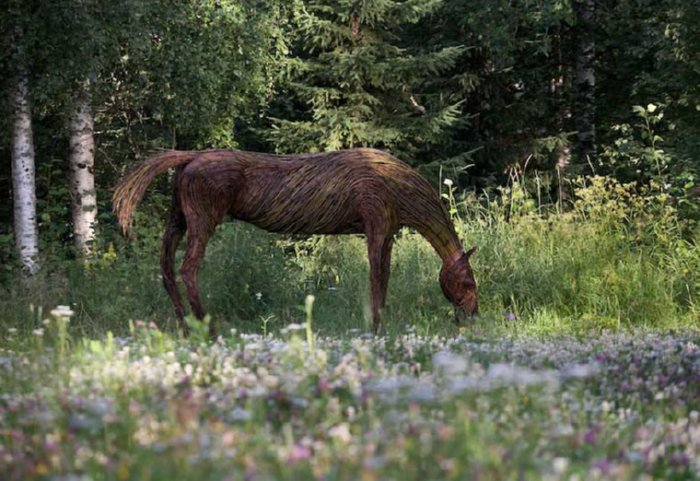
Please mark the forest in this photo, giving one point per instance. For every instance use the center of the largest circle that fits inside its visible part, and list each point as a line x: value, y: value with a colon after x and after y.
x: 563, y: 138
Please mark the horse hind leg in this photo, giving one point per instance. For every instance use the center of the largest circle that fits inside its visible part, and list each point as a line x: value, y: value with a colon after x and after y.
x: 198, y: 234
x: 174, y: 231
x: 204, y: 208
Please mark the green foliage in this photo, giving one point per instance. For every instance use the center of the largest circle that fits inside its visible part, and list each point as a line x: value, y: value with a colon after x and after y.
x: 476, y: 91
x: 615, y: 259
x: 639, y: 154
x: 352, y: 81
x: 599, y: 261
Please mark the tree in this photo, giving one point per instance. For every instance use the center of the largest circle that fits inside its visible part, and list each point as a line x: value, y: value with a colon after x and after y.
x: 83, y: 45
x: 23, y: 169
x: 351, y: 81
x: 513, y: 79
x: 82, y: 172
x: 584, y: 103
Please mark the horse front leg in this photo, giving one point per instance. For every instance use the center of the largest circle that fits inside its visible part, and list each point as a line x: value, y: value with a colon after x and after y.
x: 379, y: 250
x: 385, y: 271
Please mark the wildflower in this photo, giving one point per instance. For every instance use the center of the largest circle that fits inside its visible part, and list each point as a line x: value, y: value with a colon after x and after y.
x: 239, y: 414
x: 38, y: 332
x: 449, y: 363
x: 448, y: 182
x: 293, y: 327
x: 62, y: 312
x: 12, y: 330
x: 447, y: 464
x: 340, y: 432
x: 560, y: 465
x: 309, y: 302
x: 422, y: 392
x: 258, y: 296
x: 602, y: 465
x: 510, y: 316
x: 591, y: 437
x: 580, y: 370
x: 299, y: 453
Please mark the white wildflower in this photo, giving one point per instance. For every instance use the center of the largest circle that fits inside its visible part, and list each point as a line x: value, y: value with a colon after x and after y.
x: 577, y: 371
x: 560, y: 465
x: 340, y: 432
x: 293, y: 327
x: 62, y: 312
x: 448, y: 182
x: 449, y: 363
x: 423, y: 391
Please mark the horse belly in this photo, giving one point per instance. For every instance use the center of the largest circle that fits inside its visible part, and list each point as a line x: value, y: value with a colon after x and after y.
x: 292, y: 213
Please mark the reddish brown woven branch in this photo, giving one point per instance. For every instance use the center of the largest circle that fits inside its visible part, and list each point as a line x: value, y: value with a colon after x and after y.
x: 362, y: 191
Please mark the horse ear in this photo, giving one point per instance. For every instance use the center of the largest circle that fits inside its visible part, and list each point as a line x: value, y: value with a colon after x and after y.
x: 470, y: 252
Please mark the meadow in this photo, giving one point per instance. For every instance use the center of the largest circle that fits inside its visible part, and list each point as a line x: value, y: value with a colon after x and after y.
x: 611, y: 258
x: 584, y: 362
x: 569, y: 132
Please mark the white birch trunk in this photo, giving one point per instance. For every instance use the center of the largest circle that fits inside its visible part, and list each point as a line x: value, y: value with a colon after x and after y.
x: 23, y: 183
x: 82, y: 177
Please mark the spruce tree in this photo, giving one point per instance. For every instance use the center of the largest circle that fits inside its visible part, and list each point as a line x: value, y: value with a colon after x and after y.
x: 352, y: 80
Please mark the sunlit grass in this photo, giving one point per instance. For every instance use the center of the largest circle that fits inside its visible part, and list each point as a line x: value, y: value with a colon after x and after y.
x: 613, y: 260
x: 584, y: 362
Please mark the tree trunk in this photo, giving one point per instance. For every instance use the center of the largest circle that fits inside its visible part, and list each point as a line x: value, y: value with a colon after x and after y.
x: 584, y: 103
x: 82, y: 177
x: 23, y: 184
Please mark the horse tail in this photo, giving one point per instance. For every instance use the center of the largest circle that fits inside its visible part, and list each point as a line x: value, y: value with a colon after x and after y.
x: 133, y: 185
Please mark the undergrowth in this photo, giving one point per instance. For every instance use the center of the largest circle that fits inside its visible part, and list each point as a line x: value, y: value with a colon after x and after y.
x: 612, y: 259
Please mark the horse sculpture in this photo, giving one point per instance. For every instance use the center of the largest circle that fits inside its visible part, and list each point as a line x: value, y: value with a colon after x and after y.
x: 357, y: 191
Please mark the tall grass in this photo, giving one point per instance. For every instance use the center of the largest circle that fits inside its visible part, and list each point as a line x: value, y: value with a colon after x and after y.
x: 613, y: 258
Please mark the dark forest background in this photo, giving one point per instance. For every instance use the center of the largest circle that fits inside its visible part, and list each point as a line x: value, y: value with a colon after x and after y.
x: 538, y: 94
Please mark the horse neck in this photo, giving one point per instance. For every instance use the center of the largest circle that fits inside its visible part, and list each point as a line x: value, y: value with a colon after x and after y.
x: 432, y: 221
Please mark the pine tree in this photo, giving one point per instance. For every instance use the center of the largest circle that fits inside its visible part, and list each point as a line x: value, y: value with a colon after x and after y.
x: 350, y: 80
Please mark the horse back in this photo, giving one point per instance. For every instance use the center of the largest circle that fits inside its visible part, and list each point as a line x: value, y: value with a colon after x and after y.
x: 325, y: 193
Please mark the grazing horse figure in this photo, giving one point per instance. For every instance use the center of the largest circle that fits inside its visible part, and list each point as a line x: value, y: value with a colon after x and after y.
x: 357, y: 191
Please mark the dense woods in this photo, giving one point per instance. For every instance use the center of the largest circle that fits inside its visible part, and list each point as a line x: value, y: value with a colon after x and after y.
x: 479, y: 90
x: 502, y: 97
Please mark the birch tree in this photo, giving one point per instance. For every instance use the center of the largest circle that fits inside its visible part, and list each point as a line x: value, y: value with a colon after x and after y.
x: 81, y: 168
x: 83, y: 43
x: 23, y: 170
